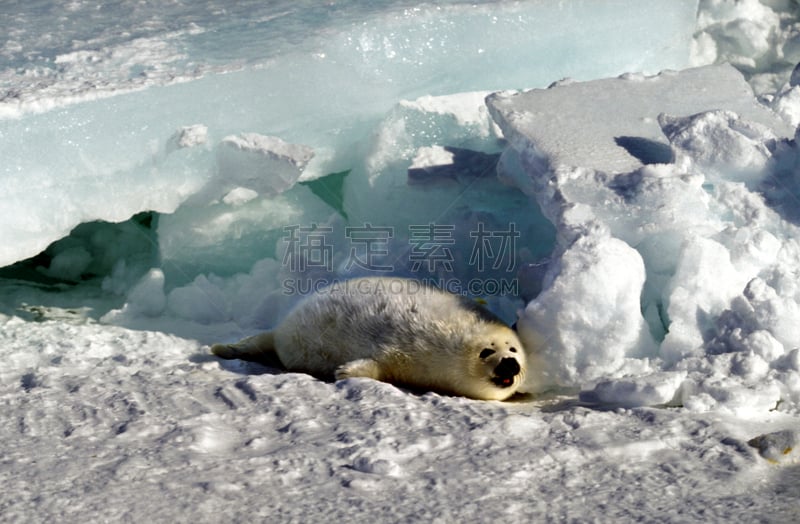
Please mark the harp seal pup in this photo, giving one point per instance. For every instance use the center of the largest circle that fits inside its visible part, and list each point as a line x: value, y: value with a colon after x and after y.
x: 395, y: 330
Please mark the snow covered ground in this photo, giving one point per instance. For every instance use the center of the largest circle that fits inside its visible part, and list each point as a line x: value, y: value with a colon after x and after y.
x: 109, y: 424
x: 154, y: 157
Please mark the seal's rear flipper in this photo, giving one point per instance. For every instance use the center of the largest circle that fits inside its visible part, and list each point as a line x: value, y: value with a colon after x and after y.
x: 364, y: 367
x: 257, y: 348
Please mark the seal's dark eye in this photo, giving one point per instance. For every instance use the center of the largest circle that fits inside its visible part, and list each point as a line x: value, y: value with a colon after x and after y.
x: 486, y: 353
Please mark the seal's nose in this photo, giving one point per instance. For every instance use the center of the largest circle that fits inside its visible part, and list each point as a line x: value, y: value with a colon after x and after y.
x: 508, y: 367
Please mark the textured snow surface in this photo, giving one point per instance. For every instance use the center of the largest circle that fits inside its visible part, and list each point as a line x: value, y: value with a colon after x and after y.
x: 102, y: 423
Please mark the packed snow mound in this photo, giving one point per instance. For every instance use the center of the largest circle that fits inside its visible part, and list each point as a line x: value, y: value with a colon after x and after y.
x: 674, y: 279
x: 598, y: 270
x: 758, y: 37
x: 761, y: 38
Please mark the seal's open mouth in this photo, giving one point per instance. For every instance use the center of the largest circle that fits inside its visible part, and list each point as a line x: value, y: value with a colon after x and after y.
x: 503, y: 382
x: 506, y: 370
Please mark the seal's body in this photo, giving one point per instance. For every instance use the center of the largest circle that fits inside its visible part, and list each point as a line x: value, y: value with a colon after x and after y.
x: 395, y: 330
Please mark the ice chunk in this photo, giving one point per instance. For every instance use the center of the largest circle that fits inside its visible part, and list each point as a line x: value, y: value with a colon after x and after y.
x: 464, y: 110
x: 145, y: 300
x: 433, y: 161
x: 81, y: 177
x: 594, y: 156
x: 787, y: 104
x: 413, y: 127
x: 703, y: 286
x: 431, y: 157
x: 227, y: 211
x: 147, y: 297
x: 230, y: 236
x: 583, y: 142
x: 265, y: 164
x: 780, y: 315
x: 611, y: 125
x: 759, y: 37
x: 190, y: 136
x: 438, y: 164
x: 239, y: 196
x: 721, y: 143
x: 203, y: 301
x: 742, y: 33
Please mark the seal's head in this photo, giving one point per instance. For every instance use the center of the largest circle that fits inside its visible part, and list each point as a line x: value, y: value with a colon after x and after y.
x: 496, y: 362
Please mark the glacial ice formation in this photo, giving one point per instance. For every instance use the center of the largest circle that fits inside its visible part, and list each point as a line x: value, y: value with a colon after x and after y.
x: 74, y: 153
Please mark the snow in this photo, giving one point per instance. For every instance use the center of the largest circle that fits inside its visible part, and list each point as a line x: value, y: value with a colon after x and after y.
x: 589, y: 300
x: 104, y: 423
x: 163, y: 162
x: 660, y: 283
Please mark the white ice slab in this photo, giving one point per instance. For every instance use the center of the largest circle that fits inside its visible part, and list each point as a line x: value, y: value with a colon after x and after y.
x: 597, y: 124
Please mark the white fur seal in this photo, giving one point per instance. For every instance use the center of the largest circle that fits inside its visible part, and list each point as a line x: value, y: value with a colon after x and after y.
x: 395, y: 330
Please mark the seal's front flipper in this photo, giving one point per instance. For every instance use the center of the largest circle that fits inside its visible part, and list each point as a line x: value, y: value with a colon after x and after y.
x: 365, y: 367
x: 258, y: 348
